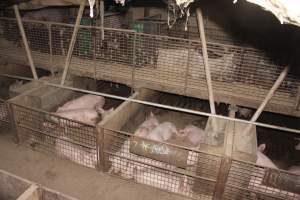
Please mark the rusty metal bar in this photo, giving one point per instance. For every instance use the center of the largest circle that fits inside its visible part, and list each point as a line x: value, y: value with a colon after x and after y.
x: 156, y: 104
x: 222, y: 178
x: 102, y: 18
x: 187, y: 68
x: 72, y: 43
x: 13, y: 122
x: 27, y: 48
x: 268, y: 97
x: 50, y: 48
x: 133, y: 63
x: 206, y: 66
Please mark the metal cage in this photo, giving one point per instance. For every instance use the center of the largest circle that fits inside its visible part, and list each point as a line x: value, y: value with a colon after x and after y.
x: 240, y: 75
x: 42, y: 130
x: 222, y: 167
x: 68, y: 139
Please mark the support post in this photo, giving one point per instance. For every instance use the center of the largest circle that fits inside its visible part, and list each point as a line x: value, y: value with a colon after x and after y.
x: 206, y: 66
x: 72, y: 43
x: 102, y: 18
x: 133, y: 63
x: 268, y: 97
x: 50, y: 48
x: 27, y: 48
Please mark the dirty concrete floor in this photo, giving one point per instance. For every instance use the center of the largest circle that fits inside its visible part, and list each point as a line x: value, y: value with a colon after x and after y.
x: 69, y: 178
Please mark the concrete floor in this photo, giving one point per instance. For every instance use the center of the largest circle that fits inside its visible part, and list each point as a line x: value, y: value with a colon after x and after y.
x: 69, y: 178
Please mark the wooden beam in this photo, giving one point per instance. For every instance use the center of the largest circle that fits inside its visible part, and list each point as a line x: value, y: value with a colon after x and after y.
x: 206, y: 66
x: 31, y: 193
x: 27, y: 48
x: 268, y: 97
x: 73, y: 40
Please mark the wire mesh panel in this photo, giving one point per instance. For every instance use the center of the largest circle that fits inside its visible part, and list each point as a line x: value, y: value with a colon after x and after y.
x: 249, y: 181
x: 239, y: 74
x: 4, y: 117
x: 68, y: 139
x: 119, y: 161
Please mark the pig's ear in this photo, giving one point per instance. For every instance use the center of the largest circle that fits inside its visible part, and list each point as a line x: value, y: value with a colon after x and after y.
x: 261, y: 147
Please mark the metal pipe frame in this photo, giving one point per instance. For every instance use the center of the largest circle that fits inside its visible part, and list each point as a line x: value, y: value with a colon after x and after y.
x: 155, y: 104
x: 206, y: 66
x: 72, y: 43
x: 24, y: 38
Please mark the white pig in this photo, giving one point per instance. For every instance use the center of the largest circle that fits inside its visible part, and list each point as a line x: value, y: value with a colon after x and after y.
x: 86, y: 116
x: 88, y: 101
x: 262, y: 159
x: 67, y: 149
x: 193, y: 135
x: 148, y: 125
x: 104, y: 113
x: 163, y: 132
x: 122, y: 165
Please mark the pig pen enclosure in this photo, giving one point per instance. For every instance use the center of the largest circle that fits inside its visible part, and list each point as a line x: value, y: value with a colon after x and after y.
x: 241, y: 75
x: 42, y: 123
x: 220, y: 166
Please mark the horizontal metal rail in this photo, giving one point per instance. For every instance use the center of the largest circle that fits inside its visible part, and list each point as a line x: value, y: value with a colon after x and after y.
x: 157, y: 104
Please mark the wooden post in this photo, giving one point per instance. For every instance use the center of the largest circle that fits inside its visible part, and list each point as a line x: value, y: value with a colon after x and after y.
x: 102, y: 18
x: 50, y: 48
x: 27, y: 48
x: 222, y: 178
x: 206, y: 66
x: 73, y: 40
x: 32, y: 193
x: 268, y: 97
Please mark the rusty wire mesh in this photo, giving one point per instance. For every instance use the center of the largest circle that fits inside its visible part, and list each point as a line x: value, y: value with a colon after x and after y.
x: 196, y: 181
x: 155, y: 61
x: 49, y: 133
x: 245, y: 181
x: 4, y: 116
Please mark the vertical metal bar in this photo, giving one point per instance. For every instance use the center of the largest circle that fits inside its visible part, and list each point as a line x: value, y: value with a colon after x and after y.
x: 13, y: 122
x: 27, y: 48
x: 50, y: 48
x: 297, y: 103
x: 94, y: 33
x: 222, y: 178
x: 72, y: 43
x: 102, y: 18
x: 206, y: 66
x: 187, y: 68
x: 101, y: 148
x: 133, y: 63
x: 268, y: 97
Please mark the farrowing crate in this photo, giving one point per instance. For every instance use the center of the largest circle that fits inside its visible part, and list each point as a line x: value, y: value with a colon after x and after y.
x: 193, y: 172
x: 40, y: 128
